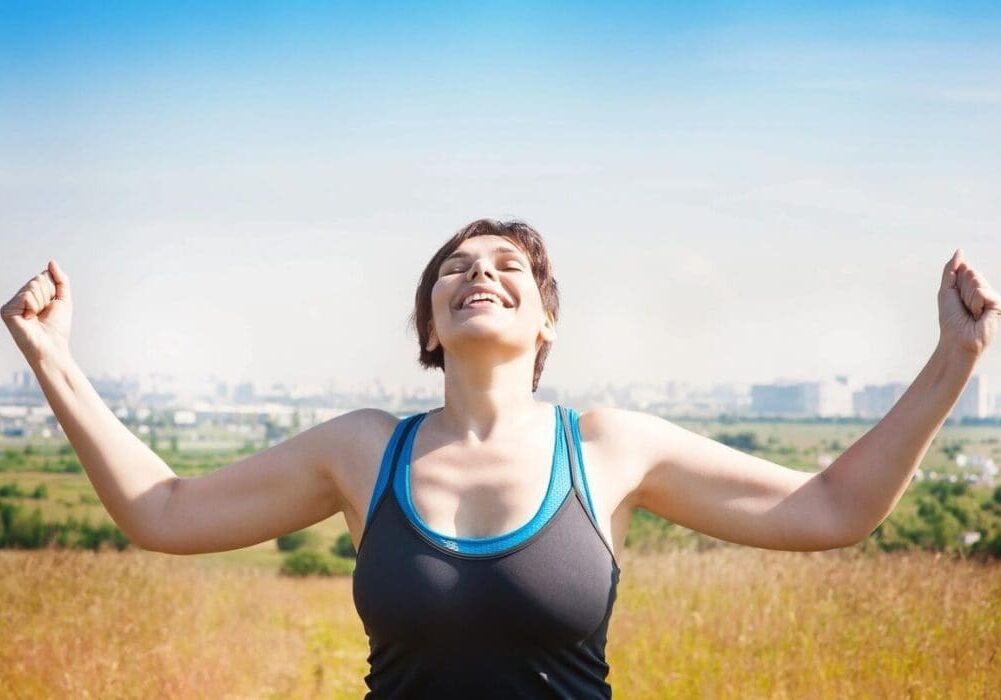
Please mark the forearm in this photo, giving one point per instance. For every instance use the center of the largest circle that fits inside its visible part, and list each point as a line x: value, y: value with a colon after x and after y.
x: 130, y: 479
x: 868, y: 480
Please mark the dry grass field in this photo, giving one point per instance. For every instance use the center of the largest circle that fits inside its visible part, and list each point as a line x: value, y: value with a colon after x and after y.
x: 726, y: 623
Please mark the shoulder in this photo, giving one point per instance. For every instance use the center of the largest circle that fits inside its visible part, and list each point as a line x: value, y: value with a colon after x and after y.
x: 621, y: 442
x: 353, y: 437
x: 362, y: 423
x: 352, y: 445
x: 615, y: 428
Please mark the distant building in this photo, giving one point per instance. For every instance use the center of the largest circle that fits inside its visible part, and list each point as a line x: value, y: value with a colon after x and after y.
x: 827, y: 398
x: 244, y: 393
x: 875, y: 401
x: 972, y: 402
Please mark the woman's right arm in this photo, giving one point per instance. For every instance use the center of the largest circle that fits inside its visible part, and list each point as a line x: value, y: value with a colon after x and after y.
x: 285, y: 488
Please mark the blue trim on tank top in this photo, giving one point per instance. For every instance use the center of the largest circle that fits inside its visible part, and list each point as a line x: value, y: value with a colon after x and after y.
x: 575, y: 429
x: 557, y: 491
x: 559, y: 485
x: 385, y: 467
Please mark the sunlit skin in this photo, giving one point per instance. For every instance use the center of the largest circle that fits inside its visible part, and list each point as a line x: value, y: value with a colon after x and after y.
x: 489, y: 350
x: 490, y: 419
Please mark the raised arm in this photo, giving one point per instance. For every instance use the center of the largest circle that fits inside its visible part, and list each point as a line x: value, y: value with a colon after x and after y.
x: 715, y: 489
x: 869, y: 479
x: 710, y: 487
x: 282, y: 489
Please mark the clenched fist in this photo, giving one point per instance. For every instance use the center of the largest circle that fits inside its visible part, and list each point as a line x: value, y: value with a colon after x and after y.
x: 969, y: 309
x: 38, y: 315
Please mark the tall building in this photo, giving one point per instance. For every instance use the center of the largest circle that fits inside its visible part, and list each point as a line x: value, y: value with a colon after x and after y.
x: 785, y: 400
x: 827, y: 398
x: 973, y: 401
x: 875, y: 401
x: 244, y: 393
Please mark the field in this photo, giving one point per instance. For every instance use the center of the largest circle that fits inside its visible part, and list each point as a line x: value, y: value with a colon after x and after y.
x: 727, y: 623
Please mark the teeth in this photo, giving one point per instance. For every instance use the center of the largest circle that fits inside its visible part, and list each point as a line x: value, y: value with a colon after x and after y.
x: 482, y: 295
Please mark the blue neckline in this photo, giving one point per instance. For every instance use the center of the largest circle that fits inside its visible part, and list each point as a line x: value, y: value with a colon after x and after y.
x: 558, y: 476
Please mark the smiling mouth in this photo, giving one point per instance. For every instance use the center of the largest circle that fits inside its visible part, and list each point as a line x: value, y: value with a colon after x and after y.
x: 481, y: 304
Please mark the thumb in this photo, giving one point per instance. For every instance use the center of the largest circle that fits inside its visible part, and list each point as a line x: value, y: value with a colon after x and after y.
x: 949, y: 273
x: 61, y: 280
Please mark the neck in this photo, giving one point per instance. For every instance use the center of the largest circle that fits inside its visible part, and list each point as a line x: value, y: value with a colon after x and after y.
x: 487, y: 398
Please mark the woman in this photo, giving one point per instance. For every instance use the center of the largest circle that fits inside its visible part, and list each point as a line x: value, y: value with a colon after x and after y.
x: 466, y: 585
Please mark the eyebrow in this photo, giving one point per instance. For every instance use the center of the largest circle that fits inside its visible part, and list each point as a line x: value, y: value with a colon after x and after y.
x: 498, y: 249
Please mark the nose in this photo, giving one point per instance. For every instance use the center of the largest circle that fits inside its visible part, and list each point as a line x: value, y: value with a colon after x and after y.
x: 481, y: 265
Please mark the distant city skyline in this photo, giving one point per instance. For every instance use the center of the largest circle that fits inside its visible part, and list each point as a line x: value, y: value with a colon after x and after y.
x: 839, y: 397
x: 729, y: 194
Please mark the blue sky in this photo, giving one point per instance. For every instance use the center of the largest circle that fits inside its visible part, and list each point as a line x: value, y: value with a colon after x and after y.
x: 729, y: 192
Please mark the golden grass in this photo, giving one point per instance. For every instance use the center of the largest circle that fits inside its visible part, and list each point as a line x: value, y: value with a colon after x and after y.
x: 727, y: 623
x: 744, y: 623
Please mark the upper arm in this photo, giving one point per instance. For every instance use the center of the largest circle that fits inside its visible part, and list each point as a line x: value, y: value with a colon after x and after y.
x: 284, y: 488
x: 710, y: 487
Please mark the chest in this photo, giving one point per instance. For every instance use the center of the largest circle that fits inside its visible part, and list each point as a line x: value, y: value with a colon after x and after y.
x: 486, y: 491
x: 479, y: 492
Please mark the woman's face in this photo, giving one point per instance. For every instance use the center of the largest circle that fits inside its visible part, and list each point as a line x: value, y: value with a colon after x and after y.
x: 496, y: 264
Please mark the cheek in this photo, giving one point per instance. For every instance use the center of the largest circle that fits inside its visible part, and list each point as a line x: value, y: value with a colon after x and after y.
x: 439, y: 299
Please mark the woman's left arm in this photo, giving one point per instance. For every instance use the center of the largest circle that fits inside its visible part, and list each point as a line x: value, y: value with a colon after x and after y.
x: 868, y: 479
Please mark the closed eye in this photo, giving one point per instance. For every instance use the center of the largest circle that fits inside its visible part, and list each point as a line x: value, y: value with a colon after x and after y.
x: 516, y: 268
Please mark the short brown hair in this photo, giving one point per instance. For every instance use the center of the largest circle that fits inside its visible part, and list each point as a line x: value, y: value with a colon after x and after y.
x: 529, y: 241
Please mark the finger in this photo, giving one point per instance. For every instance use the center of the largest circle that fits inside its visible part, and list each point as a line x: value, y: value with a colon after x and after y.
x: 12, y: 308
x: 47, y: 285
x: 988, y: 300
x: 977, y: 303
x: 29, y: 306
x: 950, y: 270
x: 992, y: 300
x: 60, y: 279
x: 967, y: 287
x: 37, y: 296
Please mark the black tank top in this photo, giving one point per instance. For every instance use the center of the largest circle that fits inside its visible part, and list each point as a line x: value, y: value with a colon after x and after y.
x: 519, y: 615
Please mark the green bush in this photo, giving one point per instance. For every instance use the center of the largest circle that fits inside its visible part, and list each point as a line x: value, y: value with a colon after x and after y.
x: 343, y: 566
x: 27, y: 531
x: 292, y: 541
x: 306, y: 562
x: 344, y: 547
x: 21, y: 530
x: 746, y: 441
x: 11, y: 490
x: 41, y: 491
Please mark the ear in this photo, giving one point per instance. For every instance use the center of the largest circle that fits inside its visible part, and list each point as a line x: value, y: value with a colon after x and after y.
x: 548, y: 331
x: 432, y: 338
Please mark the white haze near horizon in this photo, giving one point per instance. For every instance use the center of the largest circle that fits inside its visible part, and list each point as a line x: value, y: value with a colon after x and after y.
x: 722, y: 201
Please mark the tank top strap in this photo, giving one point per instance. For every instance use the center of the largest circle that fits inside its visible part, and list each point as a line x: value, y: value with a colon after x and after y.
x: 390, y: 458
x: 576, y: 457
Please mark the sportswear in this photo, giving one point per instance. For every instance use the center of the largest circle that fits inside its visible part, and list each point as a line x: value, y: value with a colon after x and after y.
x: 523, y: 614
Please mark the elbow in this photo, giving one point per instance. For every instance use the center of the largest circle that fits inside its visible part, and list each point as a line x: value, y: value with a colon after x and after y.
x: 849, y: 537
x: 150, y: 542
x: 156, y: 535
x: 846, y: 525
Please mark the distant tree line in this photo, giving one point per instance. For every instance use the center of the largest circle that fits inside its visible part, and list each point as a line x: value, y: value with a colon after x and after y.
x: 20, y: 529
